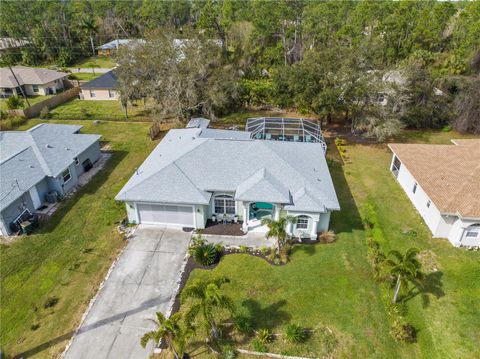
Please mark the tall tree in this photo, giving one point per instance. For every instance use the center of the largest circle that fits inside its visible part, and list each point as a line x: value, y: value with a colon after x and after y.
x: 405, y: 267
x: 169, y: 330
x: 208, y: 301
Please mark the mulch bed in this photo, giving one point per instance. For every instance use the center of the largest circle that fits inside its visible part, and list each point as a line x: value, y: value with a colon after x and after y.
x: 229, y: 229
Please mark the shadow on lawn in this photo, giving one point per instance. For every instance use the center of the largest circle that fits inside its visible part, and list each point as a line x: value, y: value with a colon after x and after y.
x: 267, y: 317
x: 154, y: 302
x: 348, y: 218
x: 431, y: 284
x: 91, y: 187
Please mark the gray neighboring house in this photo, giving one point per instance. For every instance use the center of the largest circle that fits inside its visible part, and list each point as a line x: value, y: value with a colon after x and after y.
x: 199, y: 173
x: 33, y: 81
x: 44, y: 159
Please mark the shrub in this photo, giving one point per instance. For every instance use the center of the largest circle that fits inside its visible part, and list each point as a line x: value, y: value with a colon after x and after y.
x: 264, y: 336
x: 273, y: 254
x: 45, y: 112
x: 205, y: 254
x: 284, y: 253
x: 14, y: 102
x: 264, y: 250
x: 402, y: 331
x: 242, y: 324
x: 219, y: 247
x: 258, y: 346
x: 327, y: 237
x: 243, y: 249
x: 229, y: 352
x: 295, y: 334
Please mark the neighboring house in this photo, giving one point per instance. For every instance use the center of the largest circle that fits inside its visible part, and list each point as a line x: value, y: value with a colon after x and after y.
x: 110, y: 47
x: 44, y: 159
x: 103, y: 87
x: 443, y: 183
x: 199, y: 172
x: 34, y: 81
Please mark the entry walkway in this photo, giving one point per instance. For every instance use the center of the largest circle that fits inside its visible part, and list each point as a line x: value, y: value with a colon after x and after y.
x: 144, y: 280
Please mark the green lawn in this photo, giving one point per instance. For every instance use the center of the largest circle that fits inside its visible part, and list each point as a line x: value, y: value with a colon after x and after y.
x: 70, y: 254
x: 97, y: 61
x: 99, y: 110
x: 332, y: 285
x: 86, y: 76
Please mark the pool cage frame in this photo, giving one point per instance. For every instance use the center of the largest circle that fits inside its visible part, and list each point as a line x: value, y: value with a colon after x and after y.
x: 286, y: 129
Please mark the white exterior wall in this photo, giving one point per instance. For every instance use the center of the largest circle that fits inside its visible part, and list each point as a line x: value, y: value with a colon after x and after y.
x: 431, y: 215
x: 100, y: 95
x: 441, y: 225
x: 43, y: 89
x: 457, y: 233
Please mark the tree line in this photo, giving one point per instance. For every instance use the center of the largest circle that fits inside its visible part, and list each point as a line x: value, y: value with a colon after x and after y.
x: 379, y: 65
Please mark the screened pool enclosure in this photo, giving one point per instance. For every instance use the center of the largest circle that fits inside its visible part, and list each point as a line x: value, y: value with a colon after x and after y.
x: 286, y: 129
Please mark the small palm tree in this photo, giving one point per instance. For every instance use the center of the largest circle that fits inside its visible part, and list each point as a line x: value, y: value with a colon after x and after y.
x: 405, y: 267
x: 168, y: 329
x: 208, y: 299
x: 278, y: 229
x: 90, y: 27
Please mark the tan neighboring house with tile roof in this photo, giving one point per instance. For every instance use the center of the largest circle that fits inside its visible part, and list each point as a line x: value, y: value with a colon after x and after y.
x: 34, y: 81
x: 443, y: 183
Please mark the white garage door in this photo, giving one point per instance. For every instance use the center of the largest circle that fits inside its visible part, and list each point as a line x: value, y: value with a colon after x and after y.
x: 166, y: 214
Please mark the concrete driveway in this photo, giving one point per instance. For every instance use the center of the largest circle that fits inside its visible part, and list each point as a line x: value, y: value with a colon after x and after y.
x: 143, y: 281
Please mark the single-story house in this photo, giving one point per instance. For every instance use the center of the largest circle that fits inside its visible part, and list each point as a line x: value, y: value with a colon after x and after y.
x: 103, y: 87
x: 45, y: 160
x: 443, y: 183
x: 34, y: 81
x: 197, y: 173
x: 108, y: 48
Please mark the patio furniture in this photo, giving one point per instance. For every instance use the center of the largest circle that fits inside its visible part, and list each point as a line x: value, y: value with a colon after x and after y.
x: 308, y: 138
x: 268, y: 136
x: 214, y: 217
x: 235, y: 219
x: 221, y: 218
x: 295, y: 138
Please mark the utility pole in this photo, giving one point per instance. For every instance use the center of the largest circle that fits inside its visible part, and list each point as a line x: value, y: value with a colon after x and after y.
x: 18, y: 83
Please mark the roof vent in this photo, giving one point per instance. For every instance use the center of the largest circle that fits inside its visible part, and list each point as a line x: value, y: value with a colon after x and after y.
x: 31, y: 166
x: 67, y: 148
x: 48, y: 146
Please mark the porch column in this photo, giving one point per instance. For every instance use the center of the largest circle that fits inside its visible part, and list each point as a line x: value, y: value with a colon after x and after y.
x: 276, y: 216
x: 246, y: 213
x: 313, y: 233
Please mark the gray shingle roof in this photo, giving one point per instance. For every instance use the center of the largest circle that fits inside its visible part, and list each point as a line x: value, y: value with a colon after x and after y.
x: 26, y: 157
x: 211, y: 164
x: 28, y: 76
x: 225, y: 134
x: 198, y: 122
x: 106, y: 81
x: 262, y: 186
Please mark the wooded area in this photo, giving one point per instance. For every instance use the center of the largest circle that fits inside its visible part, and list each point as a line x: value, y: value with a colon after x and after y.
x: 379, y: 65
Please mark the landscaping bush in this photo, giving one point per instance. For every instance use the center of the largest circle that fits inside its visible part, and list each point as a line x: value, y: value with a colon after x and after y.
x: 284, y: 253
x: 258, y: 346
x: 264, y: 250
x: 327, y: 237
x: 264, y: 336
x: 45, y: 112
x: 229, y: 352
x: 242, y: 324
x: 205, y: 254
x: 273, y: 254
x: 295, y: 334
x: 402, y: 331
x: 243, y: 249
x: 14, y: 102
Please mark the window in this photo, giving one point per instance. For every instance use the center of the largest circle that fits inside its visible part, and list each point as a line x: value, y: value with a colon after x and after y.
x: 66, y: 175
x: 302, y: 222
x: 396, y: 166
x: 111, y: 94
x: 473, y: 231
x: 224, y: 204
x: 415, y: 187
x: 77, y: 162
x: 35, y: 88
x: 429, y: 203
x: 92, y: 93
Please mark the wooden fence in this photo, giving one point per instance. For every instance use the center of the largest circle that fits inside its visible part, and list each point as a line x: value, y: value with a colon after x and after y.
x: 34, y: 110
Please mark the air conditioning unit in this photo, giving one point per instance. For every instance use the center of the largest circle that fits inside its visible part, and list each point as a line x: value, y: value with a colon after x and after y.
x: 51, y: 197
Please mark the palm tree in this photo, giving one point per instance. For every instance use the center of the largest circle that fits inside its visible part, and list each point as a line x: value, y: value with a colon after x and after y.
x: 278, y: 229
x: 405, y: 267
x: 89, y: 26
x: 208, y: 299
x: 168, y: 329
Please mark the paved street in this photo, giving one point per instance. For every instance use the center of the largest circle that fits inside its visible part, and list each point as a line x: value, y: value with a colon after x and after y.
x: 143, y: 281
